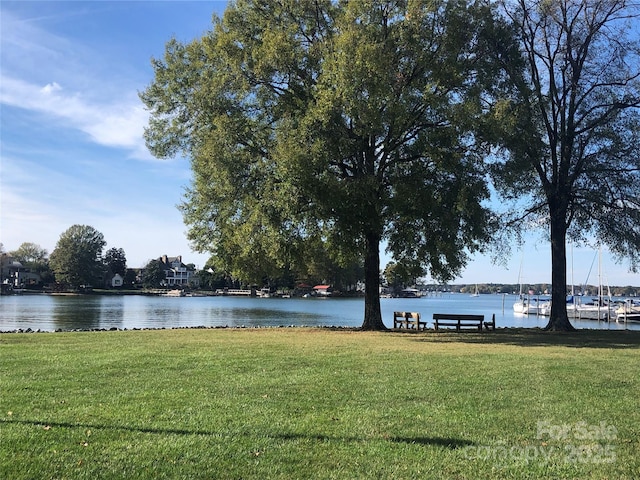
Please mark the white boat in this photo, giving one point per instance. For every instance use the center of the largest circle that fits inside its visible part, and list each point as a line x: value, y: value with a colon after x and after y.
x: 476, y: 293
x: 581, y: 311
x: 526, y: 304
x: 521, y: 305
x: 529, y: 305
x: 629, y: 309
x: 175, y: 293
x: 264, y: 293
x: 545, y: 306
x: 600, y: 308
x: 595, y: 310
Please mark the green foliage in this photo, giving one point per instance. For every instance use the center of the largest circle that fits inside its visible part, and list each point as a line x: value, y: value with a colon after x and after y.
x: 115, y: 261
x: 399, y: 275
x: 297, y: 403
x: 36, y: 259
x: 30, y: 254
x: 571, y: 128
x: 130, y: 277
x: 331, y: 124
x: 153, y: 275
x: 77, y: 259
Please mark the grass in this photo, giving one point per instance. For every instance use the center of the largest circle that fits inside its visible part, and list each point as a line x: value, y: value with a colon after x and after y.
x: 318, y: 403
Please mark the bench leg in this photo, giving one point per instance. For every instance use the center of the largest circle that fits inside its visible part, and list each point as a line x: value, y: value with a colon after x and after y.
x: 492, y: 324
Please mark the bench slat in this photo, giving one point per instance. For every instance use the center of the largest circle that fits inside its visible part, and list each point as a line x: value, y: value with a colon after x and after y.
x: 458, y: 320
x: 457, y: 316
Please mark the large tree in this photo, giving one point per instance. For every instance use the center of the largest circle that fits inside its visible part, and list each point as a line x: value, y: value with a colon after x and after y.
x: 35, y: 258
x: 153, y: 274
x: 398, y: 276
x: 341, y: 123
x: 77, y: 258
x: 574, y: 136
x: 115, y: 260
x: 30, y: 254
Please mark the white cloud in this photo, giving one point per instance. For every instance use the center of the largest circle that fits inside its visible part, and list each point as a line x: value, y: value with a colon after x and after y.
x: 54, y: 84
x: 119, y: 125
x: 67, y: 81
x: 51, y: 87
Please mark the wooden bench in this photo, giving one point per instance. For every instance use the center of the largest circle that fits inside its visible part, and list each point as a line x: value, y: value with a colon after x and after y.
x: 461, y: 321
x: 408, y: 320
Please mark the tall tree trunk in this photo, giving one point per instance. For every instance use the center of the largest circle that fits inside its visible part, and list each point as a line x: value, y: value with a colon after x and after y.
x: 372, y: 312
x: 558, y: 320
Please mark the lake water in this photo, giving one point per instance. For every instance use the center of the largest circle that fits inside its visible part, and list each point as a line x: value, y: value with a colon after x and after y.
x: 52, y: 312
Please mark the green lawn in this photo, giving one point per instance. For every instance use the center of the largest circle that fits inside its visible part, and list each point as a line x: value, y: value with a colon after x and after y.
x: 319, y: 403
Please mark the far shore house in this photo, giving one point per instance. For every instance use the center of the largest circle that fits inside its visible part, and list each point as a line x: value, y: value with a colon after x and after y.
x: 117, y: 281
x: 177, y: 274
x: 14, y: 275
x: 323, y: 290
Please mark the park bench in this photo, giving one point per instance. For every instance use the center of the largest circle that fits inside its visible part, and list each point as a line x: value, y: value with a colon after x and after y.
x: 461, y: 321
x: 408, y: 320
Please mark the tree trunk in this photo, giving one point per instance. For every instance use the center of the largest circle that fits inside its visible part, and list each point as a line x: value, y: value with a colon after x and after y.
x: 372, y: 312
x: 558, y: 320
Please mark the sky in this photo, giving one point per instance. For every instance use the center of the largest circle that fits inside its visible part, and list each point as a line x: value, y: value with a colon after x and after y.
x: 71, y: 145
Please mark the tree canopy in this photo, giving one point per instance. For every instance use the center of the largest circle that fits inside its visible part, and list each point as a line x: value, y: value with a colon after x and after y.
x: 332, y: 125
x: 115, y: 261
x: 30, y: 254
x: 35, y: 258
x: 398, y: 276
x: 153, y: 274
x: 77, y: 257
x: 573, y: 129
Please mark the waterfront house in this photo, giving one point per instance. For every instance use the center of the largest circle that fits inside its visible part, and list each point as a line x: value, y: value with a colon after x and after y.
x: 176, y: 272
x: 14, y: 275
x: 323, y: 290
x: 117, y: 281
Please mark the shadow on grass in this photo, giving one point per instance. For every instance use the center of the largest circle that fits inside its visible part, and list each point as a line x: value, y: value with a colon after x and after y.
x: 450, y: 443
x: 534, y: 337
x: 133, y: 428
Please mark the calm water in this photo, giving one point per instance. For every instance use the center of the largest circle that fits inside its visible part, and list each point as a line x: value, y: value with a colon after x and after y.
x: 48, y: 313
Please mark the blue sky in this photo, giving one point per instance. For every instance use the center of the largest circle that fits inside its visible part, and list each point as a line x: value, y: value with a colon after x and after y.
x: 71, y: 147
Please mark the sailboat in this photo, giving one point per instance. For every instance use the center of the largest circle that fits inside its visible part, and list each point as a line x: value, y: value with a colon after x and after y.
x: 529, y: 305
x: 526, y: 304
x: 476, y: 293
x: 523, y: 304
x: 599, y: 308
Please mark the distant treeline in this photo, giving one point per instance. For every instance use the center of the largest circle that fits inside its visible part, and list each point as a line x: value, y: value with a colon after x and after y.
x: 537, y: 289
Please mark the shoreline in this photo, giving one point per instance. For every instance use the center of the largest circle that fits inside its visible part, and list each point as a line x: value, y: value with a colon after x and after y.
x: 430, y: 331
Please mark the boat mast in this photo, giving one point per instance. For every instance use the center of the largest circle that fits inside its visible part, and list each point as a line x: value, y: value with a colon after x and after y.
x: 599, y: 280
x: 572, y: 282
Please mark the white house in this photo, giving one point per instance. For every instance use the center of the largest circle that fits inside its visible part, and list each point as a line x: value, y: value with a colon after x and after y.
x: 176, y: 272
x: 13, y: 274
x: 117, y: 280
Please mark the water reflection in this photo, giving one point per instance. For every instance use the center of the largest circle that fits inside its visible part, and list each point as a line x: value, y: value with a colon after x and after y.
x: 112, y: 311
x: 87, y: 312
x: 75, y: 312
x: 49, y: 313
